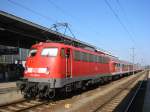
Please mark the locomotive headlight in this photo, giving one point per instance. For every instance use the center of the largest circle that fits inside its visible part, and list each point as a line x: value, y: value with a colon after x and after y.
x: 43, y: 70
x: 37, y: 70
x: 28, y: 70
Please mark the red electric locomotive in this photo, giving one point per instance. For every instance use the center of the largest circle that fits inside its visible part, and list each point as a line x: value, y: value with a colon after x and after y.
x: 57, y: 66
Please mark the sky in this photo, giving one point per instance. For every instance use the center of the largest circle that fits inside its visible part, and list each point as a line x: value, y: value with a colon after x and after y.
x: 116, y: 26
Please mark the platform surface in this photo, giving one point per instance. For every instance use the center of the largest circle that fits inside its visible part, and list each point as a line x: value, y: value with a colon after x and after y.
x: 7, y: 85
x: 146, y: 106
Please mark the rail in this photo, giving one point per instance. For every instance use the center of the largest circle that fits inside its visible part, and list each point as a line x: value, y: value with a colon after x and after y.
x: 135, y: 94
x: 109, y: 104
x: 21, y: 105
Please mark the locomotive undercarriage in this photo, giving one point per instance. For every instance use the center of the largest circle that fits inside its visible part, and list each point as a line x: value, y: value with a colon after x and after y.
x: 44, y: 90
x: 36, y: 89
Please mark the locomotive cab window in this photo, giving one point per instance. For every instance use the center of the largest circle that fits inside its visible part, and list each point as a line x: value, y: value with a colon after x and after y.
x: 68, y: 53
x: 49, y: 52
x: 32, y: 52
x: 62, y: 53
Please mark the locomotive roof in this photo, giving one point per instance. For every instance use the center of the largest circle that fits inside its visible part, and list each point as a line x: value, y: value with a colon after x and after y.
x: 48, y: 44
x: 54, y: 44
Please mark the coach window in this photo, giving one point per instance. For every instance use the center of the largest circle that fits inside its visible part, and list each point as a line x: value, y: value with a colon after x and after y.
x: 104, y: 59
x: 62, y: 53
x: 95, y: 58
x: 107, y: 60
x: 99, y: 59
x: 92, y: 58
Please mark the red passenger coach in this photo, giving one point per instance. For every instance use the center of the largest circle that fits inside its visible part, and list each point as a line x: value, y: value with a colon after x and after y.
x: 53, y: 67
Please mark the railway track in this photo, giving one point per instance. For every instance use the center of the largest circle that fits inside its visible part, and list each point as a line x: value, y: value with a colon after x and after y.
x: 22, y: 105
x: 115, y: 100
x: 132, y: 106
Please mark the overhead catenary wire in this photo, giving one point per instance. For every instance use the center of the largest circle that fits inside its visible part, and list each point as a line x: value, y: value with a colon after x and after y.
x: 120, y: 21
x: 59, y: 8
x: 129, y: 32
x: 31, y: 10
x: 128, y: 22
x: 125, y: 15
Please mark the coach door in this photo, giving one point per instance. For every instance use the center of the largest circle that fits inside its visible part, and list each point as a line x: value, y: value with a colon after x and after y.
x: 68, y: 63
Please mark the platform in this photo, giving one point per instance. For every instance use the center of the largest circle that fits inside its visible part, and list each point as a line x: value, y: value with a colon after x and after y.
x: 146, y: 106
x: 9, y: 93
x: 7, y: 85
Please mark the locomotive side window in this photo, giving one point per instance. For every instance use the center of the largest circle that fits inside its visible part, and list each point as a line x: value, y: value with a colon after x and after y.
x: 100, y: 59
x: 81, y: 56
x: 49, y: 52
x: 97, y: 59
x: 32, y: 52
x: 93, y: 58
x: 77, y: 55
x: 87, y: 57
x: 84, y: 56
x: 90, y: 57
x: 105, y: 60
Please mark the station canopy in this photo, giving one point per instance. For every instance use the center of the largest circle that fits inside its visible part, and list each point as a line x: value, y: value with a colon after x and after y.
x: 18, y: 32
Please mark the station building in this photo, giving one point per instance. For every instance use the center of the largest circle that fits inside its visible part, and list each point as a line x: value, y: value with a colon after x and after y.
x: 12, y: 62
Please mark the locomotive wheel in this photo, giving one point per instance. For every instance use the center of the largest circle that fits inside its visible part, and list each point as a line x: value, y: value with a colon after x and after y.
x: 51, y: 94
x: 84, y: 88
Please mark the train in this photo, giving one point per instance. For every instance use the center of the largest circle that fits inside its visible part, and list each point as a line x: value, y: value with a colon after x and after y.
x: 53, y: 67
